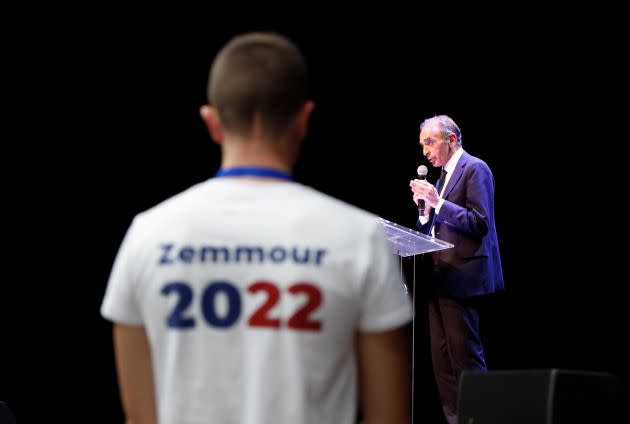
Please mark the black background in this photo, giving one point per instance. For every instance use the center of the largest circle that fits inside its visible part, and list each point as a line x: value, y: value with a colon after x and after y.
x: 112, y: 128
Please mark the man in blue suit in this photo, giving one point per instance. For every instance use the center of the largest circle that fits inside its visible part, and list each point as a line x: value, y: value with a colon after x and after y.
x: 459, y: 210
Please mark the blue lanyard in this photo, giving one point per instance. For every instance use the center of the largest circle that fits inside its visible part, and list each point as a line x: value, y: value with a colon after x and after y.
x: 254, y: 171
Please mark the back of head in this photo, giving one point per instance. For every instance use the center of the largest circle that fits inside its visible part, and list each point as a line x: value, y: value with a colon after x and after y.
x: 257, y: 74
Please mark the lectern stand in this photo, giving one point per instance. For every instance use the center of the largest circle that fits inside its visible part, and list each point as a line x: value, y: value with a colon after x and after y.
x: 406, y: 242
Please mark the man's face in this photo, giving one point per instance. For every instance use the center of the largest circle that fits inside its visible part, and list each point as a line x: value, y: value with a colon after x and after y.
x: 435, y: 147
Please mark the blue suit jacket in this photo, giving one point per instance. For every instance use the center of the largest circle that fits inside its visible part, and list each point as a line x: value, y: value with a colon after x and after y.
x: 466, y: 219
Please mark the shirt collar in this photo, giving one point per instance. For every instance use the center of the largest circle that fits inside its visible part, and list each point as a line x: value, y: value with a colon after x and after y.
x: 452, y: 162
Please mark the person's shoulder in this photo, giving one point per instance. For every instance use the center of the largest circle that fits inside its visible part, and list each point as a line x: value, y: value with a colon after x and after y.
x: 172, y: 205
x: 475, y: 162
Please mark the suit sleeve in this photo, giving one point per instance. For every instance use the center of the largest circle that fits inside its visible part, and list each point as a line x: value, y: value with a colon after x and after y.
x: 426, y: 227
x: 472, y: 218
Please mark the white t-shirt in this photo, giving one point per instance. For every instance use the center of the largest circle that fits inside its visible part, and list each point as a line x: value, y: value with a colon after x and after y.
x: 251, y: 293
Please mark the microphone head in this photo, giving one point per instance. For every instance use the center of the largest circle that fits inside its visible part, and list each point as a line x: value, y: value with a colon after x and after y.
x: 423, y: 171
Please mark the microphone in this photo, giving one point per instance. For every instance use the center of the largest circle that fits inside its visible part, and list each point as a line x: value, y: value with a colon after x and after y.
x: 422, y: 175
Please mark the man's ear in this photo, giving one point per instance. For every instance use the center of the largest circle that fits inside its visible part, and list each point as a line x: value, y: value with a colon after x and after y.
x: 210, y: 117
x: 303, y: 116
x: 452, y: 140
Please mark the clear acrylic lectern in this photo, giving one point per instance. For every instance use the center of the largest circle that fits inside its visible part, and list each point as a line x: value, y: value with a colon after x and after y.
x: 406, y: 242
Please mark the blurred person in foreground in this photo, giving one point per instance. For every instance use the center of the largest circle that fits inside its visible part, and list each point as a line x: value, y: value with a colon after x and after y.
x: 250, y: 298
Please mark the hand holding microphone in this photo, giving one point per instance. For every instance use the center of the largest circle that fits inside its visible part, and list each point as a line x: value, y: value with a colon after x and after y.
x: 424, y: 193
x: 422, y: 175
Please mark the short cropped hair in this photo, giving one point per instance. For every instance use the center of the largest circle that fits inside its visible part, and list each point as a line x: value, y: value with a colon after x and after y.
x: 258, y: 73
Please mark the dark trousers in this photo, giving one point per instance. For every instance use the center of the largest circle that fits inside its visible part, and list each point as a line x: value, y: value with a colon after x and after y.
x: 455, y: 345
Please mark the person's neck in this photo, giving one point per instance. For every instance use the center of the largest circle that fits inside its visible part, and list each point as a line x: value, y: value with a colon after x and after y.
x: 453, y: 153
x: 255, y: 154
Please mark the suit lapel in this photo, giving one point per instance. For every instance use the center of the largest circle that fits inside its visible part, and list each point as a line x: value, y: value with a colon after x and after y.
x: 457, y: 174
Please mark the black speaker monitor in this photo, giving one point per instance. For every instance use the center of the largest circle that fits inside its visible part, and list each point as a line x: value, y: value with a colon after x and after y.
x: 541, y: 396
